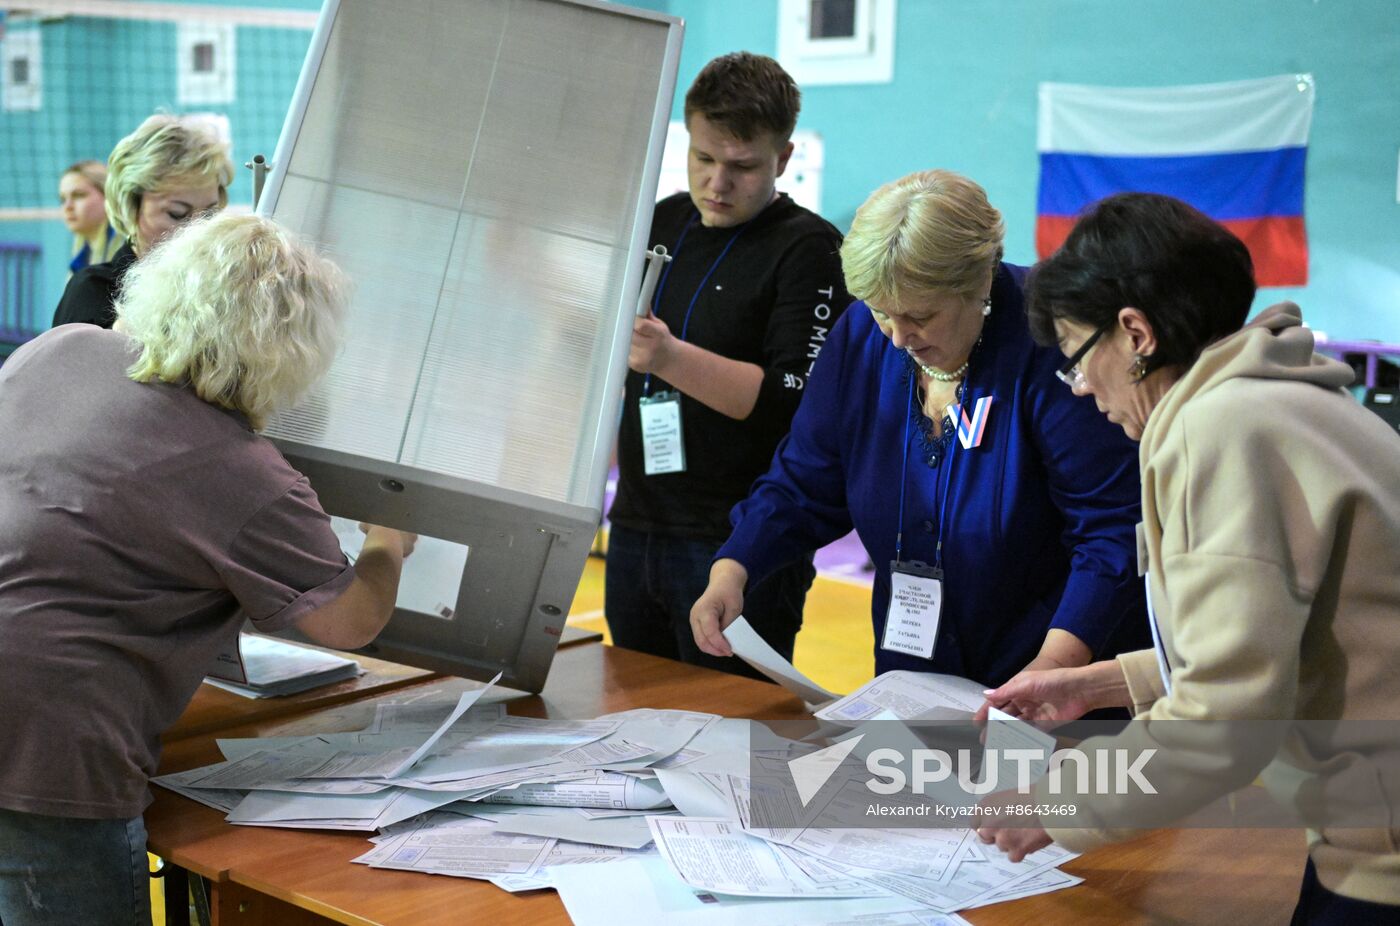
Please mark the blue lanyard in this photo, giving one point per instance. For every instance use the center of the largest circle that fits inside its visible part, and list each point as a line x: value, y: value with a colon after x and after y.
x: 661, y: 286
x: 904, y: 480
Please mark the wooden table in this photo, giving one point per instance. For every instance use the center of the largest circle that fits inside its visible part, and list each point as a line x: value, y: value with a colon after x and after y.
x: 297, y: 877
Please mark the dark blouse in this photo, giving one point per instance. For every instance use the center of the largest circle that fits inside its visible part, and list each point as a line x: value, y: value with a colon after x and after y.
x: 91, y: 295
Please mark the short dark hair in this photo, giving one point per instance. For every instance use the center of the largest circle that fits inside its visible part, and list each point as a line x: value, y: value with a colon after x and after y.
x: 746, y: 94
x: 1189, y: 275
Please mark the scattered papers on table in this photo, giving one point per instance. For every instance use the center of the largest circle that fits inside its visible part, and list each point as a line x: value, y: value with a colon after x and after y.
x: 634, y: 818
x: 645, y: 892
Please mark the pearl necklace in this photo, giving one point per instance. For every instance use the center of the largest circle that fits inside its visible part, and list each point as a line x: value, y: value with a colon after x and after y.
x: 960, y: 372
x: 939, y: 375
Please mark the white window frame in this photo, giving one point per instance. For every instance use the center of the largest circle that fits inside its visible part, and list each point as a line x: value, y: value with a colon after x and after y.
x: 23, y: 45
x: 857, y: 44
x: 866, y: 58
x: 203, y: 88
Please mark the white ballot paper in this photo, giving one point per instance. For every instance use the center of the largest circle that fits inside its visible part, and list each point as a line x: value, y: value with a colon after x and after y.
x: 696, y: 794
x: 241, y: 747
x: 432, y: 576
x: 968, y: 885
x: 255, y: 770
x: 567, y: 853
x: 464, y: 847
x: 512, y: 745
x: 467, y: 700
x: 723, y: 747
x: 594, y: 895
x: 311, y: 811
x: 925, y: 854
x: 716, y: 855
x: 920, y: 917
x: 222, y: 800
x: 621, y: 833
x: 1004, y: 733
x: 1048, y: 881
x: 909, y: 696
x: 754, y: 650
x: 425, y: 713
x: 668, y: 731
x: 602, y: 790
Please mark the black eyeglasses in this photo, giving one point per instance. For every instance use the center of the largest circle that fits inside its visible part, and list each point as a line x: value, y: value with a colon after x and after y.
x: 1070, y: 374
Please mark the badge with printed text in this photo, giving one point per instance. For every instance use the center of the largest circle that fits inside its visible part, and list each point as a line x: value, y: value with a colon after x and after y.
x: 916, y: 604
x: 663, y: 445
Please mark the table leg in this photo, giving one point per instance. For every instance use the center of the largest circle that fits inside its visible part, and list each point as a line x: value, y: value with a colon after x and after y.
x: 177, y: 895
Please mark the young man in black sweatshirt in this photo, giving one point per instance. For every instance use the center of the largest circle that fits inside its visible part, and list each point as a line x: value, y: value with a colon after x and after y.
x: 718, y: 366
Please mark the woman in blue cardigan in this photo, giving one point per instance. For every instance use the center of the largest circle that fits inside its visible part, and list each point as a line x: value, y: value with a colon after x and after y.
x: 998, y: 507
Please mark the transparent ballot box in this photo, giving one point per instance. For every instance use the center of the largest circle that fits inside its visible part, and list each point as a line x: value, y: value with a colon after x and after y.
x: 485, y: 171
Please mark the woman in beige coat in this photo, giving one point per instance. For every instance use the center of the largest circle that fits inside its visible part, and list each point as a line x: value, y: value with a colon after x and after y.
x: 1271, y: 521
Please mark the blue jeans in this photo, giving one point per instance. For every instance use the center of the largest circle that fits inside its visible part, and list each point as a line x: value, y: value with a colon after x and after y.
x: 58, y: 871
x: 652, y: 581
x: 1317, y: 906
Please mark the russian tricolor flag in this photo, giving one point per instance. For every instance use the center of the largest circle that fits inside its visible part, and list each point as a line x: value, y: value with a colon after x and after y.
x: 1236, y: 151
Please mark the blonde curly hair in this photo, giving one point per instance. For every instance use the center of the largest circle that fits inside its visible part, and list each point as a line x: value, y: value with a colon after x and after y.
x: 236, y: 308
x: 165, y: 152
x: 932, y: 231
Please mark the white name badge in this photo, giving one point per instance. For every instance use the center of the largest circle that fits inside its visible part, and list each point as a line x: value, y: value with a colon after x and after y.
x: 916, y: 604
x: 663, y: 449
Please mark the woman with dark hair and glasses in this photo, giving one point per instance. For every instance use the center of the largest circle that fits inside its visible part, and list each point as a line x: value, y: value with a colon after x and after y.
x: 1271, y: 521
x: 997, y: 507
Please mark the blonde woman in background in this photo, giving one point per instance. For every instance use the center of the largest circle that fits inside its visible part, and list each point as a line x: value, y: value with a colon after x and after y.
x: 145, y: 519
x: 81, y: 195
x: 170, y: 170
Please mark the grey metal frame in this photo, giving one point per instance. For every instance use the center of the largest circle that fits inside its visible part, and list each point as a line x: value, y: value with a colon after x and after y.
x: 527, y: 552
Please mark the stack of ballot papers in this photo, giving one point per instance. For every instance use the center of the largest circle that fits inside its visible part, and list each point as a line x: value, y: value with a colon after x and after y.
x: 263, y: 667
x: 637, y: 817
